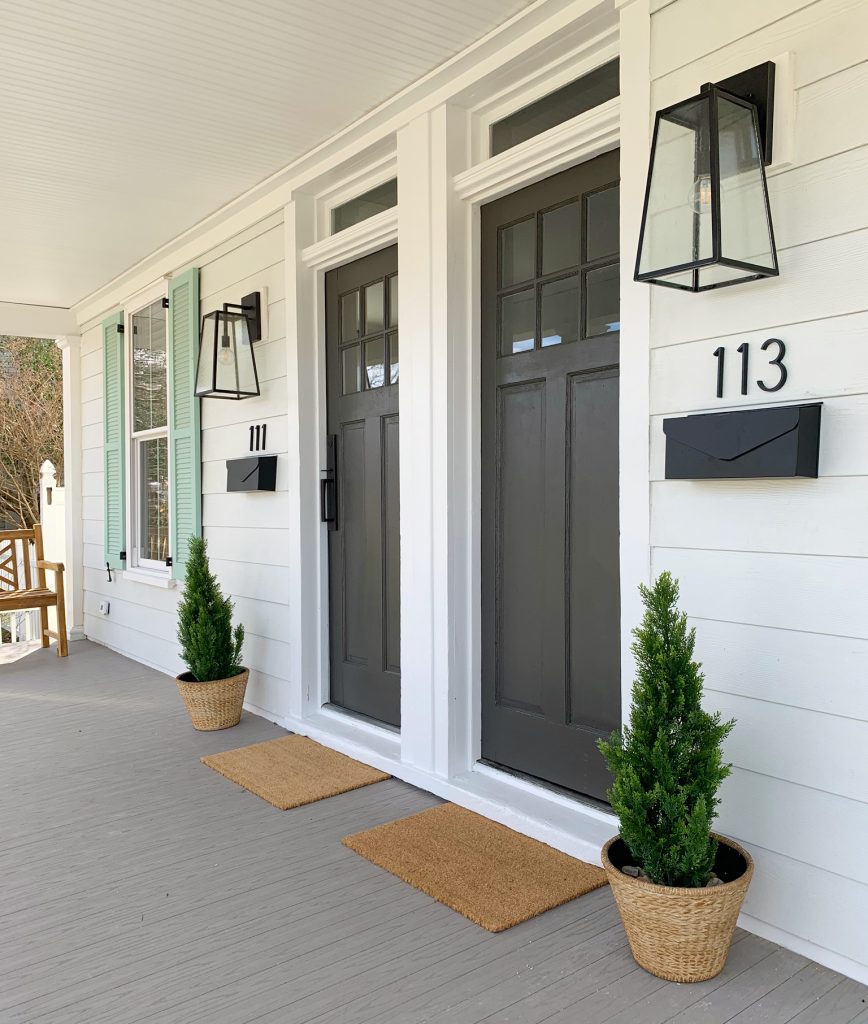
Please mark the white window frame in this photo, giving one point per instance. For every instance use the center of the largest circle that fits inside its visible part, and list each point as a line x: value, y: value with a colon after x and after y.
x: 144, y: 569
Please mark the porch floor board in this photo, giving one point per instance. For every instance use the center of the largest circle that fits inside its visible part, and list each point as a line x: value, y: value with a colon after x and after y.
x: 138, y: 885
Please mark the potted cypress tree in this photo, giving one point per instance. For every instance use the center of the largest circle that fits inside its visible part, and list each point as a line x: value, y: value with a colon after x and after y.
x: 678, y: 886
x: 214, y: 685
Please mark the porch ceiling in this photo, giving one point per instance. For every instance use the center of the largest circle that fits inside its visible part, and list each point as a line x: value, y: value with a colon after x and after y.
x: 124, y: 123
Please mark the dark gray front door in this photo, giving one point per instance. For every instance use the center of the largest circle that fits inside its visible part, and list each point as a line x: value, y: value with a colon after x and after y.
x: 364, y: 541
x: 550, y: 590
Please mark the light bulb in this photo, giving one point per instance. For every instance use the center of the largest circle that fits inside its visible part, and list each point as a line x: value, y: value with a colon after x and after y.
x: 700, y: 194
x: 226, y: 357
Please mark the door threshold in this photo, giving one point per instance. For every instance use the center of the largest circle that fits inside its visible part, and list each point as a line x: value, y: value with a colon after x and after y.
x: 568, y: 794
x: 357, y: 716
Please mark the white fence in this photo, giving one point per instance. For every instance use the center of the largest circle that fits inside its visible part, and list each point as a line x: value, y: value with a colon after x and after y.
x: 23, y: 626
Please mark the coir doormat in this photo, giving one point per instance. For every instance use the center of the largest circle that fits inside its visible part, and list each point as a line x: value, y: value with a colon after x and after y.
x: 292, y: 771
x: 482, y: 869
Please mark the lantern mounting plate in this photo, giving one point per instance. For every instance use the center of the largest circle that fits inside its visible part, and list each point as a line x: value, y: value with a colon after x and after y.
x: 757, y: 86
x: 251, y: 307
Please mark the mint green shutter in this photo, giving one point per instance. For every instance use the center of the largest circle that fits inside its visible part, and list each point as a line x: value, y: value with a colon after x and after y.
x: 185, y: 462
x: 114, y: 440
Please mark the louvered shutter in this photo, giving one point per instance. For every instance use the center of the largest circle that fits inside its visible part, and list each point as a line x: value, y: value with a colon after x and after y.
x: 185, y: 462
x: 114, y: 440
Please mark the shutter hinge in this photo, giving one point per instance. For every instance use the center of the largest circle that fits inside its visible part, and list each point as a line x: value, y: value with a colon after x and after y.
x: 169, y: 562
x: 123, y: 556
x: 120, y: 328
x: 165, y: 302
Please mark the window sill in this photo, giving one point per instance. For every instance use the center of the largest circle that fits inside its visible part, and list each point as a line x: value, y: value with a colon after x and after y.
x: 152, y: 577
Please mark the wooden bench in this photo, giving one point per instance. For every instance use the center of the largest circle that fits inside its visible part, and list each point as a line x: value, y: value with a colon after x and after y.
x: 19, y: 591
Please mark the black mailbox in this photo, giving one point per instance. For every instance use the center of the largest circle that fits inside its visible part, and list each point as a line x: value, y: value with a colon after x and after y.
x: 775, y: 442
x: 254, y: 473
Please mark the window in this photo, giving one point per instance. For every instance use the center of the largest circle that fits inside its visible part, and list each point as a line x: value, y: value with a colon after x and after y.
x: 573, y: 99
x: 149, y: 465
x: 369, y: 336
x: 369, y: 204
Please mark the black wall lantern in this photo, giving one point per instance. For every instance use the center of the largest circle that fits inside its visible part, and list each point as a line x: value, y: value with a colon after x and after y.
x: 706, y: 221
x: 227, y: 365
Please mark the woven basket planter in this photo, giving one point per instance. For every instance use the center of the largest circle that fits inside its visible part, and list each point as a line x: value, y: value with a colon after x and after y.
x: 675, y: 933
x: 216, y: 704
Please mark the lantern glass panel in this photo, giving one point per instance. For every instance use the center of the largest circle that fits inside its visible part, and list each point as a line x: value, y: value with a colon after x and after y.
x: 745, y: 231
x: 678, y: 219
x: 226, y: 362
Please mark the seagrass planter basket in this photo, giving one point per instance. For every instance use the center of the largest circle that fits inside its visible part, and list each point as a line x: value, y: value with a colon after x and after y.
x: 680, y: 934
x: 216, y: 704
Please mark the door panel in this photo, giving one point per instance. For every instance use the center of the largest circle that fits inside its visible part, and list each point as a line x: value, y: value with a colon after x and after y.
x: 362, y: 372
x: 551, y: 604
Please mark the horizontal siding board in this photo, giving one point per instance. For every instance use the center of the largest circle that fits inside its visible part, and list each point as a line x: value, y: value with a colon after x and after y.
x: 686, y: 31
x: 817, y: 594
x: 818, y: 751
x: 785, y: 666
x: 833, y: 115
x: 214, y: 475
x: 807, y: 517
x: 253, y: 545
x: 683, y: 377
x: 255, y: 510
x: 826, y: 278
x: 232, y: 440
x: 816, y: 905
x: 258, y: 254
x: 827, y: 37
x: 832, y: 831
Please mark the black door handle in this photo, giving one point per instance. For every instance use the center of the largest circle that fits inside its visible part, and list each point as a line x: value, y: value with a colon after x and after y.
x: 328, y: 486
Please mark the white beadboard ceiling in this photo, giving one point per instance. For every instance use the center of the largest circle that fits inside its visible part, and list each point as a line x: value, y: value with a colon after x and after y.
x: 124, y: 122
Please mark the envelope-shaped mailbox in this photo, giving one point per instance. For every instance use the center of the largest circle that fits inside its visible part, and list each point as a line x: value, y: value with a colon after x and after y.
x: 775, y: 442
x: 256, y: 473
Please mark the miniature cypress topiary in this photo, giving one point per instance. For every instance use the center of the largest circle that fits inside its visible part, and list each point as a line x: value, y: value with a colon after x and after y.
x: 667, y: 764
x: 209, y: 647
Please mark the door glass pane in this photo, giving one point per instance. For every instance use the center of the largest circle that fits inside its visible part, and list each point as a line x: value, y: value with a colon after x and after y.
x: 375, y: 363
x: 154, y: 490
x: 150, y: 401
x: 601, y: 238
x: 393, y: 301
x: 349, y: 316
x: 517, y: 322
x: 560, y: 311
x: 374, y: 312
x: 518, y: 252
x: 394, y: 358
x: 351, y: 358
x: 560, y: 238
x: 602, y: 288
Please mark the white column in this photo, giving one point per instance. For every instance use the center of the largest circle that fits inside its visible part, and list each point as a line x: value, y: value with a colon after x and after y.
x: 635, y: 491
x: 70, y: 346
x: 434, y: 533
x: 307, y: 543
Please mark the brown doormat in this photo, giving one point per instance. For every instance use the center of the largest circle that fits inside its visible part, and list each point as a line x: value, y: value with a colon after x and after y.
x: 292, y: 771
x: 484, y: 870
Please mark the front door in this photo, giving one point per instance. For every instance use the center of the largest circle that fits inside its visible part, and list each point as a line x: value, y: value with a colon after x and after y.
x: 550, y: 579
x: 360, y: 491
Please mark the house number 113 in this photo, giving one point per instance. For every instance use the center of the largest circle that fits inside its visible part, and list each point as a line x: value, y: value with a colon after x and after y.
x: 744, y: 351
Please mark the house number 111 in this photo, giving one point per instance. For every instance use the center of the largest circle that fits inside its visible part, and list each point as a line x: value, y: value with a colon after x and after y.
x: 744, y: 351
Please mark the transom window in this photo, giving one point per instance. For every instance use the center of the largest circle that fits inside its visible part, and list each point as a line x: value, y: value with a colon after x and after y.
x: 369, y: 336
x: 150, y: 436
x: 368, y: 204
x: 558, y: 274
x: 573, y: 99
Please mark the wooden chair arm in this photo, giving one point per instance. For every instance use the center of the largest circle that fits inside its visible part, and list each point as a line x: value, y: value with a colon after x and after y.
x: 53, y: 566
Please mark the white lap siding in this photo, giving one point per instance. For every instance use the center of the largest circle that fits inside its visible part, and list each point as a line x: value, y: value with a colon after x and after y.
x: 247, y: 533
x: 774, y: 573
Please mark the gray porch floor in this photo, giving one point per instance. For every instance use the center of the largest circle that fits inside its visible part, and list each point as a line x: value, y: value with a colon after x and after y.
x: 138, y: 885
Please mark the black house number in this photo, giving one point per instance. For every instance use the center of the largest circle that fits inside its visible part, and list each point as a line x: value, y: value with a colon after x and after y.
x: 744, y: 351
